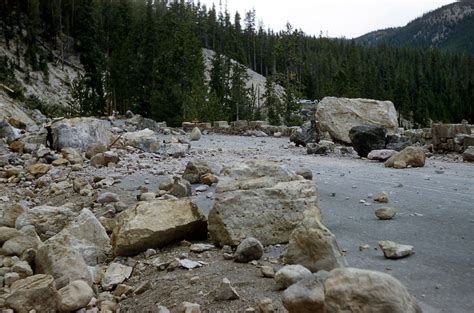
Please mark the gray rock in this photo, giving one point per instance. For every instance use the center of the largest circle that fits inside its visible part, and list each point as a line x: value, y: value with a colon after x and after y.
x: 116, y: 274
x: 305, y: 296
x: 107, y: 197
x: 36, y: 292
x: 60, y: 261
x: 226, y: 291
x: 290, y: 274
x: 47, y: 220
x: 72, y: 155
x: 248, y: 250
x: 381, y: 155
x: 195, y: 134
x: 322, y: 147
x: 393, y: 250
x: 385, y: 213
x: 306, y: 173
x: 468, y: 154
x: 75, y: 296
x: 355, y: 290
x: 313, y: 246
x: 86, y: 235
x: 195, y: 169
x: 181, y: 188
x: 80, y: 133
x: 259, y: 199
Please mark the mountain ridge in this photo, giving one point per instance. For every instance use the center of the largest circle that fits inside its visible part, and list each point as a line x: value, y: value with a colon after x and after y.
x: 447, y: 28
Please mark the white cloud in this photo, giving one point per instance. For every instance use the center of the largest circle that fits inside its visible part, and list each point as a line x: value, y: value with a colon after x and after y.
x: 348, y: 18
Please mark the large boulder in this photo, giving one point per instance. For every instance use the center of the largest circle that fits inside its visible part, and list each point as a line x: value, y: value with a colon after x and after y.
x: 356, y: 290
x: 47, y: 220
x: 145, y: 140
x: 261, y: 199
x: 314, y: 246
x: 339, y: 115
x: 60, y: 261
x: 195, y: 169
x: 157, y: 223
x: 86, y: 235
x: 366, y: 138
x: 80, y: 133
x: 410, y: 156
x: 37, y: 292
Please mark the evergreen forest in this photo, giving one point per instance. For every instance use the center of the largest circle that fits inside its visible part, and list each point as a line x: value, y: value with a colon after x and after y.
x: 146, y: 56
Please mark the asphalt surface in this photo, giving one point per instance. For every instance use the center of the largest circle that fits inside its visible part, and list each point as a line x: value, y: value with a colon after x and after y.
x: 435, y: 214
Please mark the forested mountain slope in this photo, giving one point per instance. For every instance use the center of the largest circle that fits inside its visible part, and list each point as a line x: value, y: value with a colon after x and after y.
x: 147, y: 56
x: 450, y: 27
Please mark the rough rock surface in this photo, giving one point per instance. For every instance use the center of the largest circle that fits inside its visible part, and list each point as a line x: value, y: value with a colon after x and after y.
x: 145, y: 140
x: 290, y: 274
x: 195, y: 134
x: 385, y: 213
x: 366, y: 138
x: 313, y: 246
x: 393, y: 250
x: 75, y: 296
x: 157, y: 223
x: 413, y: 156
x: 47, y: 220
x: 195, y: 169
x: 116, y: 273
x: 305, y: 296
x: 80, y: 133
x: 263, y: 189
x: 86, y: 235
x: 36, y: 292
x: 356, y: 290
x: 248, y: 250
x: 60, y: 261
x: 339, y: 115
x: 381, y: 155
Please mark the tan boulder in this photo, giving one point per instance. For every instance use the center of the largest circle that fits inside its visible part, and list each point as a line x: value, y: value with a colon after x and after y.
x: 260, y: 199
x: 356, y: 290
x: 410, y: 156
x: 339, y: 115
x: 37, y: 292
x: 38, y: 169
x: 314, y: 246
x: 157, y: 223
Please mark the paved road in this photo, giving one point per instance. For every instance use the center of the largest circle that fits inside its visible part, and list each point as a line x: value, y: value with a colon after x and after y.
x: 435, y: 214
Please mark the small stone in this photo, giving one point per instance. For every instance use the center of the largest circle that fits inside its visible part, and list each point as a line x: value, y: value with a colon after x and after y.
x: 163, y: 309
x: 266, y: 306
x: 38, y: 169
x: 305, y: 173
x: 108, y: 197
x: 201, y: 247
x: 116, y: 273
x: 385, y: 213
x: 187, y: 307
x: 381, y: 197
x: 75, y: 296
x: 364, y: 247
x: 22, y: 268
x: 267, y: 271
x: 226, y: 291
x: 189, y: 264
x: 147, y: 196
x: 393, y: 250
x: 249, y: 249
x: 202, y: 188
x: 144, y: 286
x: 290, y: 274
x: 122, y: 289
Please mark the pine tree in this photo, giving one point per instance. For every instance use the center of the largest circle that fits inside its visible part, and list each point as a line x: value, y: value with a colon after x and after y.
x: 272, y: 102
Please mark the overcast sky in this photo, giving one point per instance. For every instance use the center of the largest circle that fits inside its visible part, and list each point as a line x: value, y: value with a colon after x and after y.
x: 337, y: 18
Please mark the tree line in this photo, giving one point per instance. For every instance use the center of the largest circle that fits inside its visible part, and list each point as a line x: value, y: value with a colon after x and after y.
x: 146, y: 56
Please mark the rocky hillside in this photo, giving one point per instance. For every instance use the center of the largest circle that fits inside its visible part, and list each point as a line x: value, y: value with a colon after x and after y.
x: 254, y: 79
x: 448, y: 28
